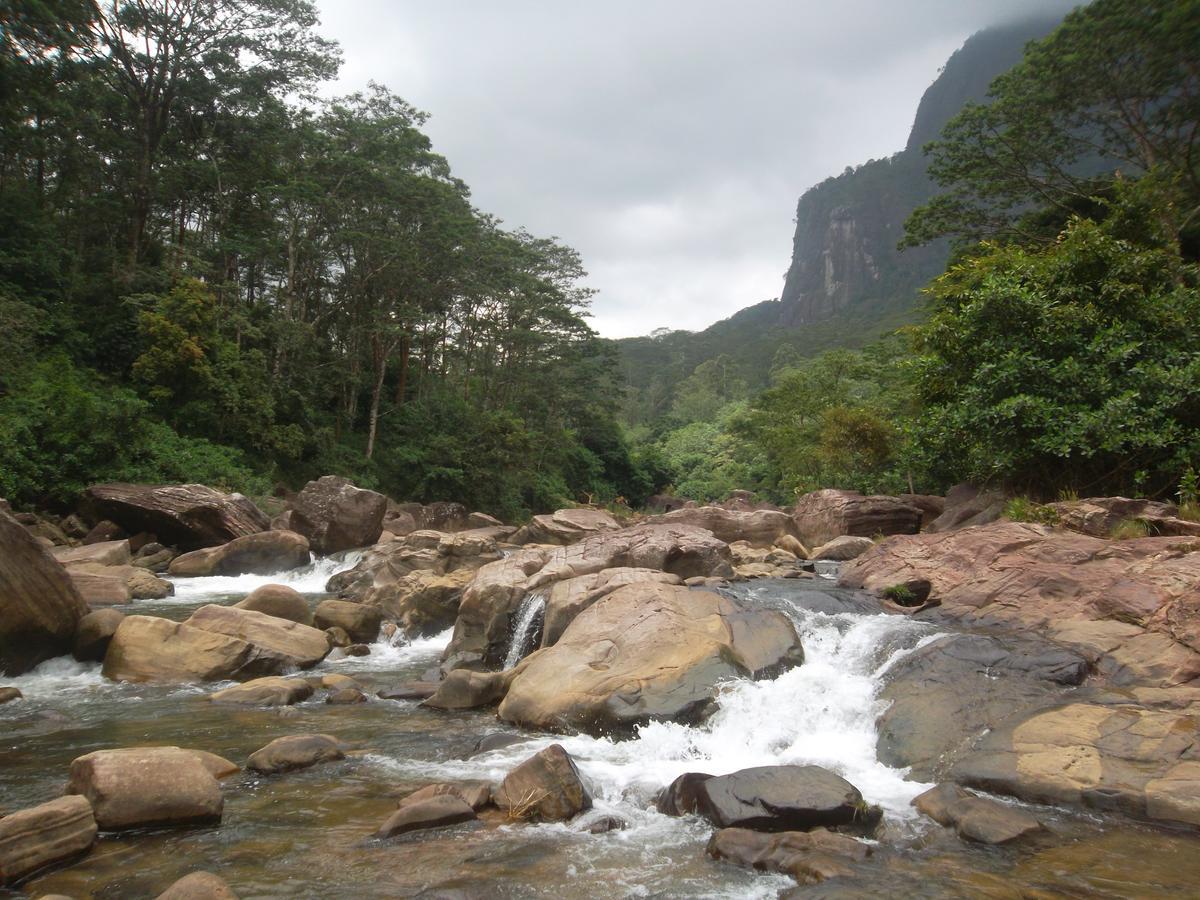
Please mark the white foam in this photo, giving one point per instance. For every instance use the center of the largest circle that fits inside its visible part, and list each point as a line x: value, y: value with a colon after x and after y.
x: 56, y: 676
x: 386, y: 655
x: 309, y: 579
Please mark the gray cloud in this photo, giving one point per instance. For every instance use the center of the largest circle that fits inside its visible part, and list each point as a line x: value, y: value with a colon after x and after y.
x: 667, y: 141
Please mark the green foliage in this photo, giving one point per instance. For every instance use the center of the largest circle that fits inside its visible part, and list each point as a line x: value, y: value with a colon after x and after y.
x: 1077, y: 363
x: 1111, y: 90
x: 1022, y: 509
x: 900, y: 594
x: 1130, y: 530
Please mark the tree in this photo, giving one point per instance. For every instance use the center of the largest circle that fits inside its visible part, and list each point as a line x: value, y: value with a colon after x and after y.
x: 1076, y: 364
x: 1114, y: 88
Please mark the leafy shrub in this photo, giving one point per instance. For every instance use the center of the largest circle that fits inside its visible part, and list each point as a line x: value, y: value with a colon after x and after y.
x: 1022, y: 509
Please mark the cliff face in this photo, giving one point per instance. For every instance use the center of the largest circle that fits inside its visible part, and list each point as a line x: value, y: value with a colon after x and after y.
x: 844, y: 250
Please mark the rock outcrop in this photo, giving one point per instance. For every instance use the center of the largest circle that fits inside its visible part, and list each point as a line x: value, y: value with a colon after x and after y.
x: 758, y: 528
x: 567, y: 599
x: 824, y: 515
x: 258, y: 554
x: 187, y: 516
x: 566, y: 526
x: 646, y: 652
x: 39, y: 606
x: 483, y: 630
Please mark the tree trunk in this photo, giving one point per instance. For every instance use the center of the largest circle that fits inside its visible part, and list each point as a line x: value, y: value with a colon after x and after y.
x: 379, y: 355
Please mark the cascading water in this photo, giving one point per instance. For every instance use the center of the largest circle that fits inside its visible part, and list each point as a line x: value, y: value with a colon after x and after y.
x: 528, y: 623
x: 309, y: 579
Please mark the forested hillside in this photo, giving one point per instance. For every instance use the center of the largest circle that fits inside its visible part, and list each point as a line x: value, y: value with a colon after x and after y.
x: 1060, y: 351
x: 208, y: 274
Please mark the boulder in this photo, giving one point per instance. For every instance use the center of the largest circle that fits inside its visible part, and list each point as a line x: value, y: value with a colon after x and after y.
x: 294, y: 644
x: 40, y: 608
x: 103, y: 532
x: 566, y: 526
x: 98, y: 589
x: 94, y: 632
x: 142, y: 787
x: 424, y: 603
x: 679, y: 797
x: 793, y: 546
x: 466, y: 689
x: 436, y: 812
x: 199, y: 886
x: 296, y: 751
x: 664, y: 503
x: 483, y: 630
x: 280, y: 601
x: 843, y: 548
x: 821, y: 516
x: 187, y: 516
x: 567, y: 599
x: 476, y: 794
x: 646, y: 652
x: 1098, y: 516
x: 106, y: 553
x: 966, y: 506
x: 345, y: 697
x: 759, y: 528
x: 976, y: 818
x: 335, y: 515
x: 483, y: 520
x: 41, y: 836
x: 410, y: 690
x: 9, y: 694
x: 930, y: 505
x: 398, y: 521
x: 783, y: 798
x: 358, y: 620
x: 808, y: 856
x: 443, y: 515
x: 258, y: 554
x: 546, y: 787
x: 149, y: 648
x: 115, y: 585
x: 270, y: 691
x: 218, y: 766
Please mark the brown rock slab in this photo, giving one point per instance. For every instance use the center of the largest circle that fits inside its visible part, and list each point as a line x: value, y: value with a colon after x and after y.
x: 843, y: 548
x: 187, y: 516
x: 296, y: 751
x: 435, y: 812
x: 346, y: 697
x: 821, y: 516
x: 54, y: 832
x: 358, y: 620
x: 410, y: 690
x: 148, y: 648
x: 759, y: 528
x: 260, y: 554
x: 139, y: 787
x: 546, y: 787
x: 94, y: 633
x: 808, y: 856
x: 8, y: 694
x: 269, y: 691
x: 566, y: 526
x: 476, y: 794
x: 294, y: 644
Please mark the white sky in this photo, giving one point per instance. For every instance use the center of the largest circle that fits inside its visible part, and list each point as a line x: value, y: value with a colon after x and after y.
x: 666, y: 140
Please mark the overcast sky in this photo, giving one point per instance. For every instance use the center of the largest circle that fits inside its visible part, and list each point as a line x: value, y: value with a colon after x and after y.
x: 666, y: 140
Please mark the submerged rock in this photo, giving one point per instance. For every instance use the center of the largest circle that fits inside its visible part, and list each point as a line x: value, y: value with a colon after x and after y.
x: 808, y: 856
x: 270, y: 691
x: 199, y: 886
x: 647, y: 652
x: 141, y: 787
x: 546, y: 787
x: 44, y: 835
x: 39, y: 606
x: 434, y: 812
x: 8, y: 694
x: 296, y: 751
x: 976, y: 818
x: 783, y: 798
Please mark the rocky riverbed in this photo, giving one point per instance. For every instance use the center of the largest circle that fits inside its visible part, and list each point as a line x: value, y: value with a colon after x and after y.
x: 623, y: 713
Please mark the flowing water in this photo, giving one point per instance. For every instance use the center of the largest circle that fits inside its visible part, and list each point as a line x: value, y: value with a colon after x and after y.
x: 530, y: 615
x: 306, y: 834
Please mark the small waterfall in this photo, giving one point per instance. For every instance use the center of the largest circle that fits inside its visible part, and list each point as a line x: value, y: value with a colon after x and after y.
x: 307, y: 579
x: 528, y: 624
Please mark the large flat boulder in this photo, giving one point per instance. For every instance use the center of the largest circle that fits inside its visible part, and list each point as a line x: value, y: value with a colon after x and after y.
x: 149, y: 648
x: 759, y: 528
x: 821, y: 516
x: 567, y: 599
x: 41, y: 836
x: 646, y: 652
x: 39, y: 606
x: 271, y: 691
x: 187, y: 516
x: 335, y: 515
x: 258, y: 554
x: 486, y: 616
x: 783, y: 798
x: 297, y: 645
x: 566, y: 526
x: 976, y: 818
x: 103, y: 553
x: 142, y: 787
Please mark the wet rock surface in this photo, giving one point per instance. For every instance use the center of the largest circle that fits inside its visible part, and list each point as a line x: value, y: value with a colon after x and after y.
x: 295, y: 751
x: 546, y: 787
x: 783, y: 798
x: 50, y: 833
x: 808, y: 856
x: 146, y: 786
